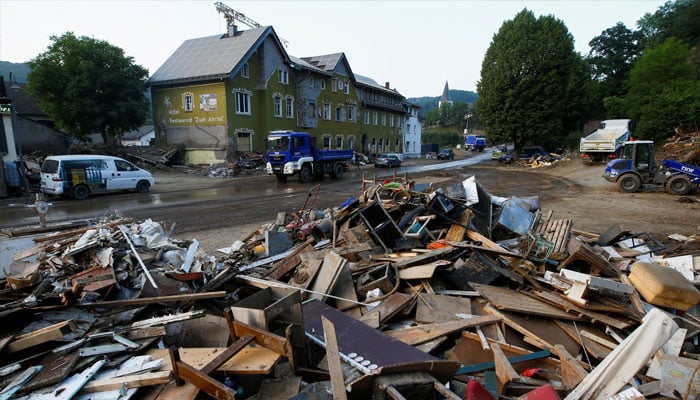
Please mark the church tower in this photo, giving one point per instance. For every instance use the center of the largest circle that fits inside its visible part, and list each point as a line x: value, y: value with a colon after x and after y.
x: 445, y: 98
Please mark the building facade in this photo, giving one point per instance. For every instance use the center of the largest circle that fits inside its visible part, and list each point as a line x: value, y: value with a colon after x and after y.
x: 220, y: 95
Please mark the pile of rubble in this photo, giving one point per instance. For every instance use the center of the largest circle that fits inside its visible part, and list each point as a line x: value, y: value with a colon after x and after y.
x: 406, y: 291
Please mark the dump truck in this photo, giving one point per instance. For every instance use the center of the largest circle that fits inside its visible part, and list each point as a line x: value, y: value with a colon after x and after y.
x: 603, y: 143
x: 294, y: 153
x: 636, y: 169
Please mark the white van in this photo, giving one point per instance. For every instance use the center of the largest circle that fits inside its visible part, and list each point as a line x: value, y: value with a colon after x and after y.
x: 81, y: 175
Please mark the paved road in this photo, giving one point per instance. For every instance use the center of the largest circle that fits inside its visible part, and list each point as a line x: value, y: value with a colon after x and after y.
x: 226, y: 197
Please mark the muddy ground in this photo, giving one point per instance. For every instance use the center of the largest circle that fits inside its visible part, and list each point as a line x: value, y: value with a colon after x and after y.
x: 569, y: 188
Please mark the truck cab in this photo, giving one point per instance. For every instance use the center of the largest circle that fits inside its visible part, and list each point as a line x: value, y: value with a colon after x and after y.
x: 294, y: 153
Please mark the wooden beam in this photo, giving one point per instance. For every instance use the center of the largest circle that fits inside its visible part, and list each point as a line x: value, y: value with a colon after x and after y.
x: 572, y: 373
x: 39, y: 336
x: 128, y: 382
x: 504, y: 371
x: 209, y: 385
x: 232, y: 350
x: 333, y: 358
x: 262, y: 337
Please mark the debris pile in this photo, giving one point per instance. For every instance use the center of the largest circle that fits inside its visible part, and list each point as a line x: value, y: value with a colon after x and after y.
x: 404, y: 291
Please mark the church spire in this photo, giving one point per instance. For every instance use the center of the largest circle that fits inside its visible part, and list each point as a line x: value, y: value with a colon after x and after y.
x: 445, y: 98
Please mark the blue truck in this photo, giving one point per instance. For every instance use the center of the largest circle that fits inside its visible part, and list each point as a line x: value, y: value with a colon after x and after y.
x: 636, y: 169
x: 475, y: 142
x: 294, y: 153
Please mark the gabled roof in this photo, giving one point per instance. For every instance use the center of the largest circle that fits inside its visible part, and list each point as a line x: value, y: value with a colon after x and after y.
x: 138, y: 133
x: 301, y: 63
x: 366, y: 81
x: 329, y: 62
x: 213, y: 57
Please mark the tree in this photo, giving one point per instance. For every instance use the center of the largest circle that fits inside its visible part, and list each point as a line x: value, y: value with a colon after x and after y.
x: 89, y: 86
x: 664, y: 90
x: 680, y: 19
x: 527, y: 81
x: 611, y: 57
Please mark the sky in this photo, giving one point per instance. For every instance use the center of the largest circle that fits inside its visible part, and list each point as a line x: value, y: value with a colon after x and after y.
x: 415, y: 45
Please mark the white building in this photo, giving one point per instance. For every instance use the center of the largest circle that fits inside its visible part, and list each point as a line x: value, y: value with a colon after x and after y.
x: 412, y: 134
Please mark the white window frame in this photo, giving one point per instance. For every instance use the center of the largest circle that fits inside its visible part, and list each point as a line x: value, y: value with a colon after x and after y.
x: 347, y: 88
x: 352, y: 114
x: 334, y: 82
x: 383, y: 119
x: 289, y: 106
x: 376, y: 118
x: 391, y: 119
x: 323, y: 84
x: 327, y: 111
x: 366, y: 117
x: 277, y: 104
x: 245, y: 71
x: 283, y: 76
x: 339, y: 142
x: 340, y: 113
x: 243, y: 100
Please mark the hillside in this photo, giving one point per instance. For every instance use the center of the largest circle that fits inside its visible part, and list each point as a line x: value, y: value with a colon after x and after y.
x: 19, y: 71
x: 429, y: 103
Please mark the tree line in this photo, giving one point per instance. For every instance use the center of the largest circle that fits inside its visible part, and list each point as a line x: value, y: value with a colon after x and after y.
x: 534, y: 88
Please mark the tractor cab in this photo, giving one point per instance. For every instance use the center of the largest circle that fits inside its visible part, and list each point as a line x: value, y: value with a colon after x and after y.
x: 635, y: 166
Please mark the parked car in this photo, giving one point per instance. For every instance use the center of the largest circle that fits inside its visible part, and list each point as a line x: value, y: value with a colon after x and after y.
x: 80, y: 176
x: 526, y: 153
x: 500, y: 150
x: 387, y: 160
x: 446, y: 154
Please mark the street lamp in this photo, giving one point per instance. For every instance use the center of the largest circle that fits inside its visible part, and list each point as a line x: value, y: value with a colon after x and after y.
x: 467, y: 117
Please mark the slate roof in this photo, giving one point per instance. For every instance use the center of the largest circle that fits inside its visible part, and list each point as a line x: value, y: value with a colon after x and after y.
x: 301, y: 63
x: 22, y: 102
x: 326, y: 62
x: 211, y: 57
x: 363, y: 80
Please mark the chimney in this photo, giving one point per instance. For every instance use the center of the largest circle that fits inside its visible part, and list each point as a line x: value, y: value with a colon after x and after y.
x: 232, y: 29
x: 386, y: 85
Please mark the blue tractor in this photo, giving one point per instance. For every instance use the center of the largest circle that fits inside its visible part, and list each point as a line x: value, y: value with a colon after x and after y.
x: 636, y: 169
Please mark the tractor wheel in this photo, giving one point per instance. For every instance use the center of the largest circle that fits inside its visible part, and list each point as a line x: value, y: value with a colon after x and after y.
x: 679, y: 184
x: 305, y: 173
x: 629, y: 183
x: 338, y: 170
x: 81, y: 192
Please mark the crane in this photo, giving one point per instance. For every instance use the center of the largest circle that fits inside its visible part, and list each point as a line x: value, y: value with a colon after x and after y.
x: 232, y: 15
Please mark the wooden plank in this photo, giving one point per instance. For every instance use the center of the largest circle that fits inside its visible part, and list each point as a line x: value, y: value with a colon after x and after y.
x: 572, y: 372
x: 56, y: 367
x: 264, y: 338
x: 305, y: 273
x: 328, y: 275
x: 424, y: 271
x: 251, y: 360
x: 441, y: 308
x: 335, y: 367
x: 504, y: 371
x: 506, y: 299
x: 232, y: 350
x: 128, y: 382
x: 206, y: 383
x: 153, y: 300
x: 345, y: 289
x: 424, y: 333
x: 539, y: 332
x: 594, y: 349
x: 39, y: 336
x: 456, y: 231
x: 390, y: 306
x: 557, y: 300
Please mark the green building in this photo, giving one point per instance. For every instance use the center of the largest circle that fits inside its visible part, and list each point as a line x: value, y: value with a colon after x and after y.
x: 222, y: 94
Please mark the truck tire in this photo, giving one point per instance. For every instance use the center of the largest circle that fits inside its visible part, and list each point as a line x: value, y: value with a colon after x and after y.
x: 629, y: 183
x: 81, y: 192
x: 338, y: 170
x: 305, y: 173
x: 679, y: 184
x: 281, y: 177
